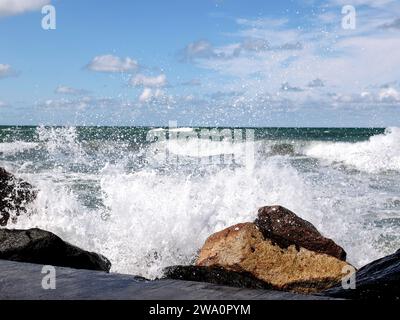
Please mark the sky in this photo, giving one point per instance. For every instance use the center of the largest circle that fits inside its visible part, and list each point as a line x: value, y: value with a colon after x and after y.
x: 201, y: 63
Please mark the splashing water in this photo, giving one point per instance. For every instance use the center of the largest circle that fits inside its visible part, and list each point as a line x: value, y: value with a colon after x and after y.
x: 107, y: 190
x: 379, y: 153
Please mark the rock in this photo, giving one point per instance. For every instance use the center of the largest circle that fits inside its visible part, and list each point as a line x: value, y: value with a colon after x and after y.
x: 43, y: 247
x: 379, y: 279
x: 215, y: 275
x: 282, y: 149
x: 285, y: 228
x: 15, y: 194
x: 243, y: 248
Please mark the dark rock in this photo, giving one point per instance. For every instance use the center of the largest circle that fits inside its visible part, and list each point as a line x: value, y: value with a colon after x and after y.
x: 15, y: 194
x: 282, y: 149
x: 216, y: 275
x: 285, y: 228
x: 43, y: 247
x: 379, y: 279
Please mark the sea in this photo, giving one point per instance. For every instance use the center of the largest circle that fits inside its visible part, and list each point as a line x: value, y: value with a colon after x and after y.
x: 147, y: 198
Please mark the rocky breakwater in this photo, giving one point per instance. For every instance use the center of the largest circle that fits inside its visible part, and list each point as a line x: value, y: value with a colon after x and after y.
x: 279, y: 250
x: 36, y: 245
x: 15, y: 195
x: 43, y: 247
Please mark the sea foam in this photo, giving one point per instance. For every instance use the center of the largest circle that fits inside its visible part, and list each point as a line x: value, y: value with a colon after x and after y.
x: 145, y: 213
x: 379, y: 153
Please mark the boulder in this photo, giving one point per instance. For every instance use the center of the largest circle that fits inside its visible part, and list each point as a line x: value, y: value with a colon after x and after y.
x: 43, y: 247
x: 285, y: 228
x: 243, y: 248
x: 15, y: 194
x: 215, y: 275
x: 379, y: 279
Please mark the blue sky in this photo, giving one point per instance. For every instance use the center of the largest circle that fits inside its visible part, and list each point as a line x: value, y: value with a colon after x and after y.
x: 200, y: 62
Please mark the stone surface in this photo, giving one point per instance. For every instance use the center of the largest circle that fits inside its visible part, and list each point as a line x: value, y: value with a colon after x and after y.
x: 14, y: 195
x: 285, y: 228
x: 23, y: 281
x: 379, y: 279
x: 43, y: 247
x: 243, y: 248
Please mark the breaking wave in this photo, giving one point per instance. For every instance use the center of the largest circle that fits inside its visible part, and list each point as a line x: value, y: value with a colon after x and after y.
x: 379, y: 153
x: 145, y: 213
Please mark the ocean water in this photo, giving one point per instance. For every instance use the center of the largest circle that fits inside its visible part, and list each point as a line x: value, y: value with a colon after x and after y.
x: 147, y: 203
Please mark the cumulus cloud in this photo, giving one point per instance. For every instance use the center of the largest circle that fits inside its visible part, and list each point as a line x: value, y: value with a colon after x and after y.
x: 316, y: 83
x: 265, y: 56
x: 199, y: 49
x: 7, y: 71
x: 141, y: 80
x: 288, y: 88
x: 146, y: 95
x: 149, y: 94
x: 205, y: 50
x: 395, y: 24
x: 255, y: 44
x: 69, y: 90
x: 82, y: 102
x: 370, y: 3
x: 385, y: 96
x: 110, y: 63
x: 389, y: 95
x: 15, y: 7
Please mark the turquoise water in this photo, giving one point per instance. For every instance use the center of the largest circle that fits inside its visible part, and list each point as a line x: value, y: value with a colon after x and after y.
x: 146, y: 202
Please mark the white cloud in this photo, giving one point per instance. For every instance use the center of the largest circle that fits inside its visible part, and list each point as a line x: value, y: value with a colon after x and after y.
x: 198, y: 49
x: 370, y: 3
x: 288, y: 88
x: 111, y: 63
x: 68, y: 90
x: 157, y: 95
x: 261, y: 22
x: 82, y: 102
x: 15, y: 7
x: 389, y: 95
x: 316, y: 83
x: 2, y: 104
x: 146, y: 95
x: 144, y: 81
x: 327, y: 52
x: 6, y: 71
x: 395, y: 24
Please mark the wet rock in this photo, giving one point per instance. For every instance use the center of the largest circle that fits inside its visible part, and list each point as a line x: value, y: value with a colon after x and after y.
x: 43, y: 247
x: 215, y: 275
x: 15, y: 194
x: 379, y: 279
x: 243, y: 248
x: 285, y: 228
x: 282, y: 149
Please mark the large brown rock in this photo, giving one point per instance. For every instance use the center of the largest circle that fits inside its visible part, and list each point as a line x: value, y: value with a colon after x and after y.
x: 243, y: 248
x: 15, y: 194
x: 285, y: 228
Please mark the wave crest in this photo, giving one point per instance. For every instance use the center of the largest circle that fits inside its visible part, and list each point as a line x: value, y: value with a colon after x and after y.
x: 379, y: 153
